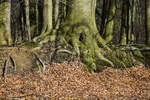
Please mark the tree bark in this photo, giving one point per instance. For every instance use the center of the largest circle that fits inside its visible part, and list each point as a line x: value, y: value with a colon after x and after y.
x: 47, y: 20
x: 109, y: 25
x: 5, y: 29
x: 56, y: 14
x: 123, y: 34
x: 147, y: 5
x: 27, y: 19
x: 80, y: 32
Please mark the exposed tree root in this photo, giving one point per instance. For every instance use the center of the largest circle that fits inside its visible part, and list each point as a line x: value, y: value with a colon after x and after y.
x: 5, y: 68
x: 39, y: 63
x: 13, y: 63
x: 65, y: 51
x: 83, y: 43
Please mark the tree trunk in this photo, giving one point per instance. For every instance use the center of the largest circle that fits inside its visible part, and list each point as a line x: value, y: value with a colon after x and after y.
x: 27, y: 19
x: 47, y: 19
x: 80, y: 32
x: 56, y: 14
x: 123, y: 35
x: 103, y: 17
x: 34, y: 18
x: 109, y: 25
x: 147, y: 4
x: 133, y: 16
x: 37, y: 16
x: 5, y: 29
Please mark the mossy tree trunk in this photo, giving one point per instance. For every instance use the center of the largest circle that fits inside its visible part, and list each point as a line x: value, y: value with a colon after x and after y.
x: 47, y: 19
x: 147, y: 5
x: 22, y: 35
x: 133, y: 16
x: 5, y: 29
x: 103, y: 17
x: 127, y: 21
x: 15, y: 21
x: 80, y: 32
x: 56, y: 14
x: 27, y: 19
x: 109, y: 24
x: 64, y: 8
x: 34, y: 17
x: 123, y: 34
x: 37, y: 16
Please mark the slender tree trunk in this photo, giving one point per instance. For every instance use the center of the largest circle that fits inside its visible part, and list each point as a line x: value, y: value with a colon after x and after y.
x: 22, y: 34
x: 47, y: 19
x: 5, y: 29
x: 123, y: 34
x: 65, y: 8
x: 147, y: 5
x: 37, y: 16
x: 109, y: 25
x: 133, y: 16
x: 34, y: 18
x: 103, y: 17
x: 27, y: 19
x: 56, y: 14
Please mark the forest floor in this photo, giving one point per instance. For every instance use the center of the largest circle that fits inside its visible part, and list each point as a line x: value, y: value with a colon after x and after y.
x: 62, y: 81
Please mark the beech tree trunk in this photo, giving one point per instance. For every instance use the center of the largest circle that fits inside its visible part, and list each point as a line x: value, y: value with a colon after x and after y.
x: 47, y: 20
x: 80, y: 32
x: 27, y: 19
x: 109, y: 25
x: 147, y: 4
x: 5, y: 29
x: 123, y: 34
x: 56, y: 14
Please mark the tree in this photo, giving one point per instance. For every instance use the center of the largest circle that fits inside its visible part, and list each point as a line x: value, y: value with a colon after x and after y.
x: 123, y: 35
x: 5, y: 29
x: 80, y: 32
x: 27, y: 19
x: 109, y: 24
x: 47, y: 19
x: 147, y: 5
x: 34, y: 17
x: 56, y: 14
x: 132, y: 17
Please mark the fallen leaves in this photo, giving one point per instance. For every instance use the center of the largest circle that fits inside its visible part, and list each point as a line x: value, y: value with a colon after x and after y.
x: 71, y: 80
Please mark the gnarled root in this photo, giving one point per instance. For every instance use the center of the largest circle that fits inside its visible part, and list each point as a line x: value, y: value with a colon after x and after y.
x: 85, y: 45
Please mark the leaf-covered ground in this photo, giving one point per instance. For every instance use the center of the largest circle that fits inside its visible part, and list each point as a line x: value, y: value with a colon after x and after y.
x: 71, y: 80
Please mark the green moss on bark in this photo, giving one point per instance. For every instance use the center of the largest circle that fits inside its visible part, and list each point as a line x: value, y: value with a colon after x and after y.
x: 79, y: 31
x: 5, y: 32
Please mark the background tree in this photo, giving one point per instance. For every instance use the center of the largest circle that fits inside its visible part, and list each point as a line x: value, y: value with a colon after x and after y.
x: 56, y: 13
x: 109, y: 20
x: 27, y: 19
x: 147, y: 5
x: 47, y: 24
x: 123, y: 36
x: 5, y: 28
